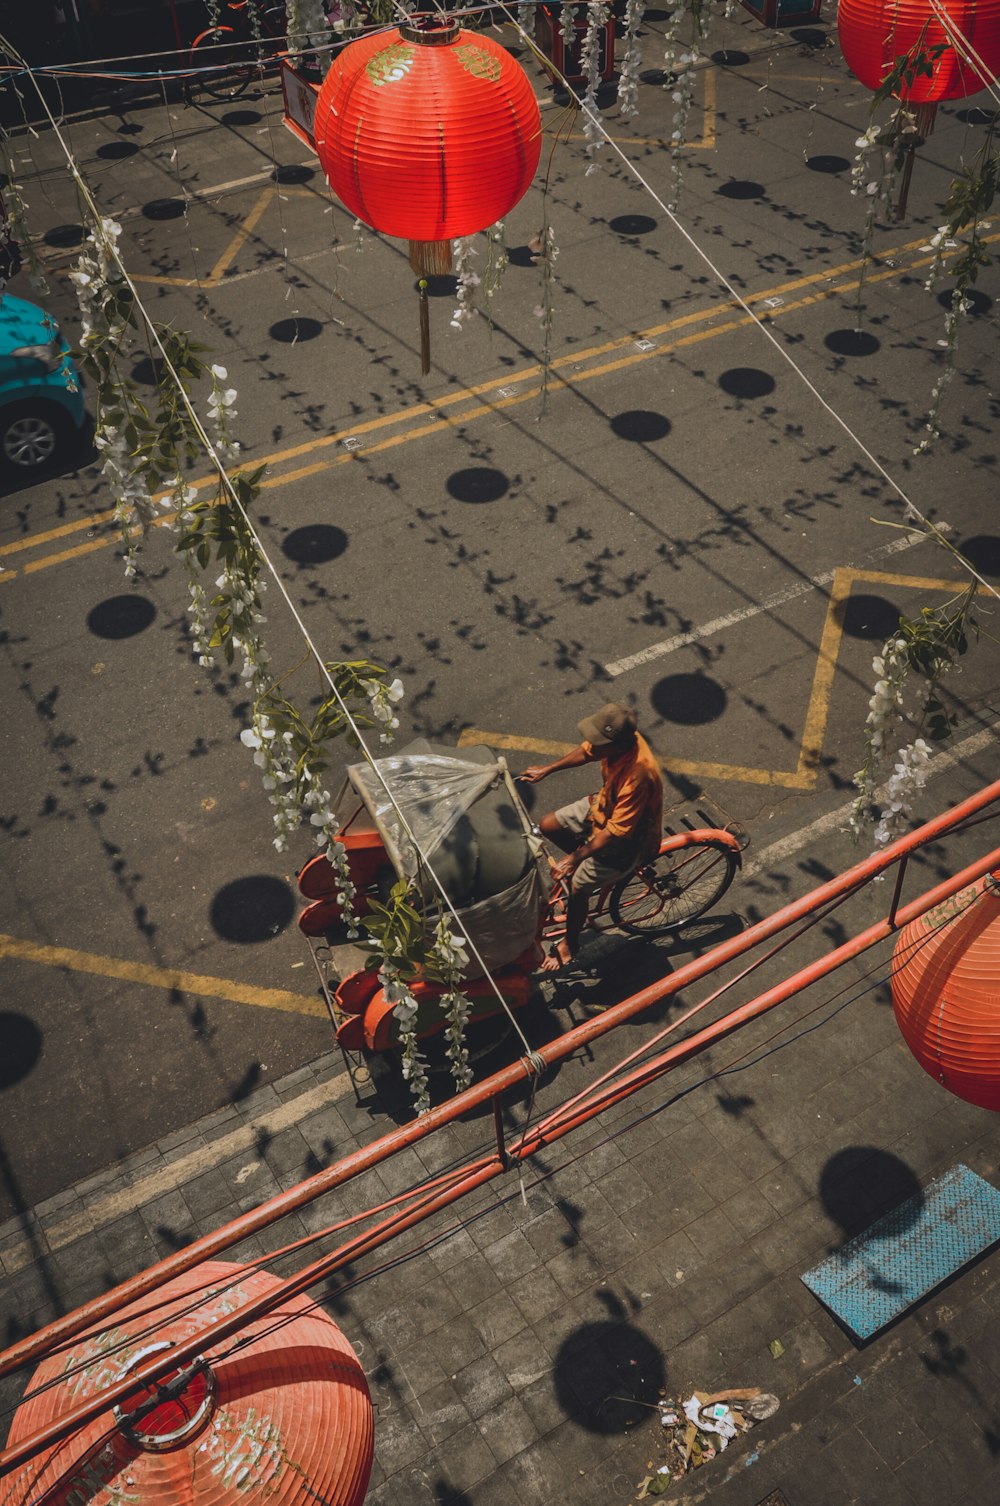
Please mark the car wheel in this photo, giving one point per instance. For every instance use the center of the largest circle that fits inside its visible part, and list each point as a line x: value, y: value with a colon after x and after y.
x: 32, y: 437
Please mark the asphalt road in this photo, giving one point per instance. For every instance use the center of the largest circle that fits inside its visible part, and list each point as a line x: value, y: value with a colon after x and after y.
x: 682, y: 525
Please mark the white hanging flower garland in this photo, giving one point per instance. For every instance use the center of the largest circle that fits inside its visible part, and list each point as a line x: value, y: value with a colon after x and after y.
x: 463, y: 250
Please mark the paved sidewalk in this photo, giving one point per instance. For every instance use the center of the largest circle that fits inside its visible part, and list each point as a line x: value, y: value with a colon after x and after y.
x: 661, y: 1247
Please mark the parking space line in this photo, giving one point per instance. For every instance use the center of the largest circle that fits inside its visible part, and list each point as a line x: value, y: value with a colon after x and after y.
x: 805, y: 773
x: 532, y: 374
x: 694, y: 767
x: 198, y: 984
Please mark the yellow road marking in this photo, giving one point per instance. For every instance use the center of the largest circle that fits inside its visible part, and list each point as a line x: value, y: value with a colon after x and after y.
x: 160, y: 977
x: 805, y: 774
x: 482, y: 389
x: 701, y: 770
x: 225, y: 260
x: 705, y: 143
x: 818, y: 709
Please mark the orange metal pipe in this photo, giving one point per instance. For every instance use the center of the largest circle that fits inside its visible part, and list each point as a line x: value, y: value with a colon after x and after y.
x: 483, y: 1171
x: 558, y: 1123
x: 179, y: 1354
x: 363, y: 1160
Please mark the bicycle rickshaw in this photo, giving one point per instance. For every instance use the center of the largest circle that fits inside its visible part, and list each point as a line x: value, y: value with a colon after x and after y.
x: 473, y: 837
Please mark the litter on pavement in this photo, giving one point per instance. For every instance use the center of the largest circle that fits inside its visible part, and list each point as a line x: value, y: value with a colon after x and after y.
x: 697, y: 1429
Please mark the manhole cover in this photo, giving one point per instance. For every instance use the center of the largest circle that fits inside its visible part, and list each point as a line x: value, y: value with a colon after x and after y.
x: 776, y: 1498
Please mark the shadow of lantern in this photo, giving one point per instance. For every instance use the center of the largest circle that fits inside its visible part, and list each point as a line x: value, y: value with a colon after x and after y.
x: 609, y: 1373
x: 121, y: 617
x: 20, y: 1047
x: 870, y: 617
x: 861, y: 1182
x: 689, y: 700
x: 983, y: 551
x: 252, y: 909
x: 315, y: 544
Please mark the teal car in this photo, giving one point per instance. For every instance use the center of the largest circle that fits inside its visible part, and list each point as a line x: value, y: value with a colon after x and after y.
x: 41, y: 401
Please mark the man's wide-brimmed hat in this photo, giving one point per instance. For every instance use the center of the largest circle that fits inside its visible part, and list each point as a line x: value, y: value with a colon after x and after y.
x: 613, y: 724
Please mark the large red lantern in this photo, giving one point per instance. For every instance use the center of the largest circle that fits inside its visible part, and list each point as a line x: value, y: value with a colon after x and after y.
x: 946, y: 992
x: 284, y: 1418
x: 428, y: 132
x: 875, y: 33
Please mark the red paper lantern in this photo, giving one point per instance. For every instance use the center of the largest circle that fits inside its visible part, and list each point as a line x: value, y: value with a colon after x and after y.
x: 946, y: 992
x: 428, y: 132
x: 285, y: 1420
x: 875, y: 33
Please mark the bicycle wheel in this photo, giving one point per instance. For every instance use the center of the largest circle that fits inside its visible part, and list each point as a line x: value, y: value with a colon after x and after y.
x: 226, y: 70
x: 673, y: 889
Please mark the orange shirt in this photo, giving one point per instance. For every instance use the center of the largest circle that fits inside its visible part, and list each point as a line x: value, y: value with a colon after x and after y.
x: 629, y: 805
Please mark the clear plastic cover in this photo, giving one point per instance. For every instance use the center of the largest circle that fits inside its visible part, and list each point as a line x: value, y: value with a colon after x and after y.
x: 432, y: 790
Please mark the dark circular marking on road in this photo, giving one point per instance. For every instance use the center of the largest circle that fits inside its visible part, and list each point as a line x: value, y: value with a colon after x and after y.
x: 64, y: 235
x: 983, y: 552
x: 20, y: 1047
x: 121, y: 617
x: 293, y: 331
x: 656, y: 76
x: 860, y: 1182
x: 689, y: 700
x: 977, y: 115
x: 640, y: 425
x: 116, y: 151
x: 294, y: 172
x: 727, y: 58
x: 164, y: 209
x: 747, y: 381
x: 825, y: 163
x: 809, y: 36
x: 240, y: 117
x: 315, y: 544
x: 633, y: 224
x: 871, y: 617
x: 852, y: 342
x: 741, y: 188
x: 146, y: 372
x: 477, y: 483
x: 440, y: 285
x: 607, y: 1376
x: 252, y: 909
x: 656, y: 15
x: 981, y: 302
x: 520, y: 256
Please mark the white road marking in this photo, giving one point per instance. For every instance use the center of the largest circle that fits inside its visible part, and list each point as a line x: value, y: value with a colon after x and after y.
x: 173, y: 1176
x: 719, y: 624
x: 772, y: 857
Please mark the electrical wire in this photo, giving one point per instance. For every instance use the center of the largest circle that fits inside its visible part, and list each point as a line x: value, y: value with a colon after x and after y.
x: 534, y: 1061
x: 912, y: 511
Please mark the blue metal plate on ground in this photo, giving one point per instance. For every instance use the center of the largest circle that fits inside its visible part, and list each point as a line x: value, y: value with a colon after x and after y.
x: 908, y: 1252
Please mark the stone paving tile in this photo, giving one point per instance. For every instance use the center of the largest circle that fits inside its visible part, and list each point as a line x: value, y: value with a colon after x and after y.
x: 467, y: 1460
x: 454, y: 1344
x: 507, y: 1429
x: 442, y: 1411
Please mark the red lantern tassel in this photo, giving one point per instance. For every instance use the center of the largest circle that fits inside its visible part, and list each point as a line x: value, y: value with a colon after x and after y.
x: 925, y: 115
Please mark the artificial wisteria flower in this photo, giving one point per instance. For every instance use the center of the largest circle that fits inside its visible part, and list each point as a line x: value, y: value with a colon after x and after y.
x: 404, y: 1008
x: 468, y: 281
x: 909, y: 775
x: 382, y: 698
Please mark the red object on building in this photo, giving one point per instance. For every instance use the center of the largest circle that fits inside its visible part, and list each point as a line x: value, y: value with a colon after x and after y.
x: 285, y: 1418
x: 874, y: 33
x: 428, y: 133
x: 946, y: 992
x: 567, y: 62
